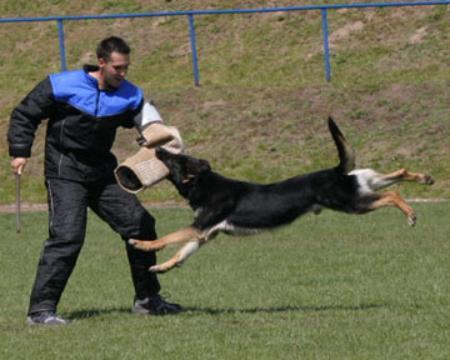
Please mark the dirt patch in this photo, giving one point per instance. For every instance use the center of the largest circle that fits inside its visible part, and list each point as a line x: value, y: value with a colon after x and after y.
x: 338, y: 36
x: 25, y: 207
x: 181, y: 51
x: 88, y: 57
x: 31, y: 207
x: 214, y: 105
x: 344, y: 32
x: 418, y: 36
x: 28, y: 207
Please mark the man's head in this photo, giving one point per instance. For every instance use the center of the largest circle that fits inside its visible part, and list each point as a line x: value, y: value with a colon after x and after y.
x: 113, y: 55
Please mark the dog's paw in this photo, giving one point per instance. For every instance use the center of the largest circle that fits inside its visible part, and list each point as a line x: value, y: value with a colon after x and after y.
x: 426, y: 180
x: 140, y: 245
x: 412, y: 219
x: 429, y: 180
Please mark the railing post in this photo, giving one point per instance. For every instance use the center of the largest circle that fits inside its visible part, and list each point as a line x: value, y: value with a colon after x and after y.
x: 62, y: 49
x: 194, y: 49
x: 326, y: 47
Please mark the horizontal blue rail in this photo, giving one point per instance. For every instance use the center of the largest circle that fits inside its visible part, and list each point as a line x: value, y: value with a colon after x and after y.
x: 227, y: 11
x: 191, y: 13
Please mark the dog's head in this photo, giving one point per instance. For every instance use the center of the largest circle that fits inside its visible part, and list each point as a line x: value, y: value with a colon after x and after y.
x: 183, y: 169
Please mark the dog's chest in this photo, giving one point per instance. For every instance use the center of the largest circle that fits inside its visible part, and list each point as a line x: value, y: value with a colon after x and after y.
x: 230, y: 229
x: 226, y: 226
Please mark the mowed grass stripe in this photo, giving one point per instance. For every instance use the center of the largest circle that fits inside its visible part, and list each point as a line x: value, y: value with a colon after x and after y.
x: 328, y: 286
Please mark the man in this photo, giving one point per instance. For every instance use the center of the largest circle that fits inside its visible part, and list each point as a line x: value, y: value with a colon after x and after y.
x: 84, y: 108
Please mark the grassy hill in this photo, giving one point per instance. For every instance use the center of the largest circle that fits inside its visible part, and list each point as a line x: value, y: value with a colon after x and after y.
x: 260, y: 112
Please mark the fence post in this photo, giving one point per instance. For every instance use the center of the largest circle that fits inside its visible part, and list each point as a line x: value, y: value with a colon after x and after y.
x: 62, y: 49
x: 326, y: 47
x: 194, y: 49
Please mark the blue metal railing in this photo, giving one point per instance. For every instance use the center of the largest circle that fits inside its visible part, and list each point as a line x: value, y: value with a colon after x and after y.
x: 326, y: 46
x: 194, y: 50
x: 192, y: 34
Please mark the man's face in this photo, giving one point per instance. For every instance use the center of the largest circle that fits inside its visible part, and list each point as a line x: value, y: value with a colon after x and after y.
x: 114, y: 69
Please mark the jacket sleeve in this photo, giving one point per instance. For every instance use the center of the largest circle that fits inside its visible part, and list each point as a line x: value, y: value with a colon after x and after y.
x: 27, y: 116
x: 148, y: 115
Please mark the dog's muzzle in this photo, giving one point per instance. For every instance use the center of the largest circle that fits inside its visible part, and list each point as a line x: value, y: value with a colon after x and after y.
x: 144, y: 169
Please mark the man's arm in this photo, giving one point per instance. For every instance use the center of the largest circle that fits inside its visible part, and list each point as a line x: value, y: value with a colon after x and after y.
x: 25, y: 118
x: 144, y: 169
x: 147, y: 116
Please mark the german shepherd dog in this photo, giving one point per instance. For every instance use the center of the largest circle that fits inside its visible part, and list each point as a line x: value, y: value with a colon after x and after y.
x: 237, y: 207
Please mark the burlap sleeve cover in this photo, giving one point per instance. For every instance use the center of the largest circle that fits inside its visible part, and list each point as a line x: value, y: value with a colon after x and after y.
x: 143, y: 169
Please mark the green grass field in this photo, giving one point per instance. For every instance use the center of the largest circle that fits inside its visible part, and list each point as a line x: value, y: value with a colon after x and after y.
x: 332, y: 286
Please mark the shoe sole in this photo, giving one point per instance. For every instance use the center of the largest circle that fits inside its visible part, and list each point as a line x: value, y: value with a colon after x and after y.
x: 34, y: 323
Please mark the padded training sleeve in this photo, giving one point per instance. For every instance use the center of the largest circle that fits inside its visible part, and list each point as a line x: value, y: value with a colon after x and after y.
x: 148, y: 115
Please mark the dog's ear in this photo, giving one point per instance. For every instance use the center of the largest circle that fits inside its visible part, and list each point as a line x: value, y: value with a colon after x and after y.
x: 204, y: 166
x: 197, y: 166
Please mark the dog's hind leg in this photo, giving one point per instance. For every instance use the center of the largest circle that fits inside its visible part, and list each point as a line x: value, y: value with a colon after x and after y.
x: 376, y: 181
x: 187, y: 234
x: 405, y: 175
x: 392, y: 198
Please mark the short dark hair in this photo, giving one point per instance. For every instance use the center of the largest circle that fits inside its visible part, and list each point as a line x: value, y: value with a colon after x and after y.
x: 112, y: 44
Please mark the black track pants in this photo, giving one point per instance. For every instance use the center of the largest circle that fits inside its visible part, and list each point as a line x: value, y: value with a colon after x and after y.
x: 68, y: 202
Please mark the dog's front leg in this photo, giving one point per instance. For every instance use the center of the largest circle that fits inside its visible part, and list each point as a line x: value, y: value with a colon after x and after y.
x: 183, y: 235
x: 178, y: 259
x: 187, y: 250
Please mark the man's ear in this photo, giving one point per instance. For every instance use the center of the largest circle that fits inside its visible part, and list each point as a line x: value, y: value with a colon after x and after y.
x: 101, y: 62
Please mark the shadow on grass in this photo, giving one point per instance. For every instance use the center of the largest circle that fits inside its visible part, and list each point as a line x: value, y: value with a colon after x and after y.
x: 85, y: 314
x: 212, y: 311
x: 89, y: 313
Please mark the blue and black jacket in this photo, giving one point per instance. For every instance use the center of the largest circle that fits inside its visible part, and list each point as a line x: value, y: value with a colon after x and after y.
x: 82, y: 123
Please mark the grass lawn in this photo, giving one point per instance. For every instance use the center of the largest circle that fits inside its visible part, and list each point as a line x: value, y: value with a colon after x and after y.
x: 332, y: 286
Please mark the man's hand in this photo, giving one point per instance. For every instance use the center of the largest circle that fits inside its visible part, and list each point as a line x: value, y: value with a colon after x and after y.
x: 18, y: 164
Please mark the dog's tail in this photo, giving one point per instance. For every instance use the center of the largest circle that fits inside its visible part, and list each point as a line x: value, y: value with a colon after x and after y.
x: 345, y: 151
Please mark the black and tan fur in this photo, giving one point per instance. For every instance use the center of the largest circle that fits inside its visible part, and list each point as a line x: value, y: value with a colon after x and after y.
x: 237, y: 207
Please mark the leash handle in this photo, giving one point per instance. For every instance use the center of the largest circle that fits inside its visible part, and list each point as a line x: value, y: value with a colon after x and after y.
x: 18, y: 204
